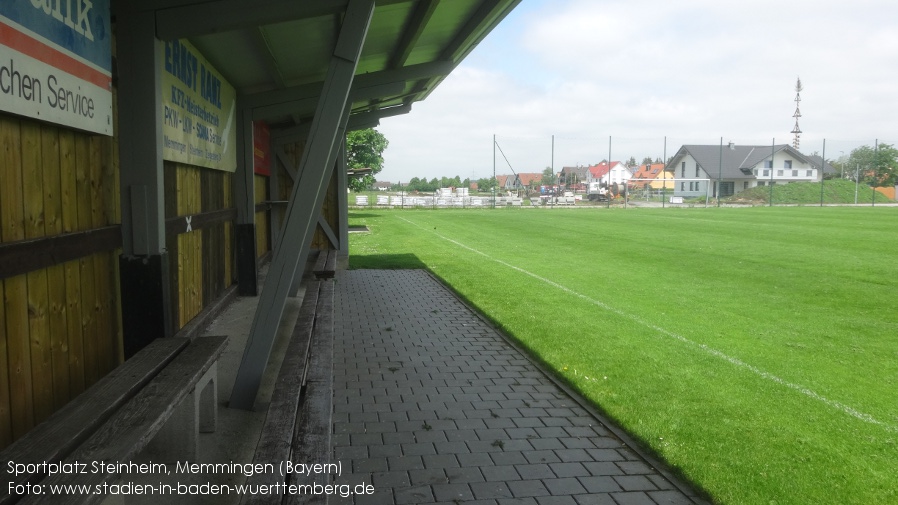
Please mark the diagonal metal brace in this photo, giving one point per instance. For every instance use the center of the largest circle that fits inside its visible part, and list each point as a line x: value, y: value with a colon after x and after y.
x: 305, y: 202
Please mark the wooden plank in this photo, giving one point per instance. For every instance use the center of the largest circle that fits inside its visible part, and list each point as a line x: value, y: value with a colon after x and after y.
x: 54, y: 439
x: 38, y: 298
x: 106, y: 346
x: 52, y: 186
x: 135, y: 423
x: 183, y: 250
x: 89, y: 330
x: 18, y: 355
x: 330, y: 265
x: 276, y: 436
x: 227, y: 202
x: 178, y: 224
x: 69, y: 199
x: 15, y: 294
x: 5, y: 411
x: 25, y: 256
x: 312, y: 438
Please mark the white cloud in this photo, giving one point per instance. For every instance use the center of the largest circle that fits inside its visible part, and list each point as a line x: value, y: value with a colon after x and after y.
x: 693, y: 70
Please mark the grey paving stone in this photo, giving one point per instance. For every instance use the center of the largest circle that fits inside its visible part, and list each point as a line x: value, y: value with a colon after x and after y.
x: 535, y: 471
x: 382, y: 480
x: 503, y: 473
x: 634, y: 498
x: 569, y: 470
x: 635, y: 483
x: 452, y: 492
x: 564, y: 486
x: 528, y: 488
x: 485, y: 490
x: 440, y: 409
x: 440, y: 461
x: 413, y: 495
x: 669, y: 498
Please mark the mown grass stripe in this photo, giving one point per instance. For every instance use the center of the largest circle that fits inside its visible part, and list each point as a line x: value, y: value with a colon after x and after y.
x: 846, y: 409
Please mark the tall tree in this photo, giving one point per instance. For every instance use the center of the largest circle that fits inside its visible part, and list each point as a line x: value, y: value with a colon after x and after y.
x: 877, y: 166
x: 548, y: 178
x: 364, y: 149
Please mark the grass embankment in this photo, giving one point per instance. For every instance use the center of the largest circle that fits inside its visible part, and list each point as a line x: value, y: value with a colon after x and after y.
x: 808, y: 193
x: 753, y: 349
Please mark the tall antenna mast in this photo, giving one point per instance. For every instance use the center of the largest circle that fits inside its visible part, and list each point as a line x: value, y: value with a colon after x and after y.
x: 796, y: 140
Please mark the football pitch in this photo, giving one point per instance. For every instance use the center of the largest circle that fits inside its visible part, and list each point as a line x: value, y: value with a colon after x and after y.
x: 754, y: 350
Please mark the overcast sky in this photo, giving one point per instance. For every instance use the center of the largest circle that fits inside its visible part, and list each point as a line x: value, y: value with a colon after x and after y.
x: 637, y: 71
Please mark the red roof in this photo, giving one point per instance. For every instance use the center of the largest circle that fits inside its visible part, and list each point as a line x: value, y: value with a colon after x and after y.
x: 648, y: 171
x: 528, y: 178
x: 600, y: 170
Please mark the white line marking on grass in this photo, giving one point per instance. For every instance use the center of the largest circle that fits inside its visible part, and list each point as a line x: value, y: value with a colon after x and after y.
x: 867, y: 418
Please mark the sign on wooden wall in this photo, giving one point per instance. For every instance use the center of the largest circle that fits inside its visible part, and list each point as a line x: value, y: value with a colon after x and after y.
x: 261, y: 148
x: 56, y: 62
x: 198, y: 110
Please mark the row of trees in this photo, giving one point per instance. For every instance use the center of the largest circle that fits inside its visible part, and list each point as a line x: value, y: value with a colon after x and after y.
x: 876, y: 166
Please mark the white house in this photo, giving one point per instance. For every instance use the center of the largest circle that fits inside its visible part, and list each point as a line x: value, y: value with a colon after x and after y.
x: 615, y: 173
x: 737, y: 168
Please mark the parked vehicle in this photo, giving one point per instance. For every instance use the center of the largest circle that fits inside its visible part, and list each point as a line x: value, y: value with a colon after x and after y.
x: 601, y: 192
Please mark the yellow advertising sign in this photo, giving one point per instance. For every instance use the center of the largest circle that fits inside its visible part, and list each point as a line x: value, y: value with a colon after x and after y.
x: 199, y: 110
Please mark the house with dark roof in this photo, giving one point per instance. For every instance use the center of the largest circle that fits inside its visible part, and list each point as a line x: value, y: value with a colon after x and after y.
x: 828, y: 170
x: 520, y: 181
x: 573, y: 175
x: 699, y: 169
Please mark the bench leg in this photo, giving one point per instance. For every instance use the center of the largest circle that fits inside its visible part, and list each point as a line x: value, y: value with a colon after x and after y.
x: 198, y: 413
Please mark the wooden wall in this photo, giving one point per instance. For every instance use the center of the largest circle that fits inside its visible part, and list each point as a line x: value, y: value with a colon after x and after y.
x: 201, y: 253
x: 329, y: 209
x: 263, y: 216
x: 60, y: 325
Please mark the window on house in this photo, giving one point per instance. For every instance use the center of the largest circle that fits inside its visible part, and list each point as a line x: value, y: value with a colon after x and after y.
x: 810, y: 173
x: 745, y: 185
x: 766, y: 173
x: 779, y: 173
x: 760, y: 183
x: 788, y: 164
x: 683, y: 169
x: 795, y: 173
x: 682, y: 186
x: 727, y: 188
x: 696, y: 170
x: 768, y: 164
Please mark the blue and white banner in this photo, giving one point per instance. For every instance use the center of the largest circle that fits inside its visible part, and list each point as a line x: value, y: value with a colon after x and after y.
x: 56, y: 62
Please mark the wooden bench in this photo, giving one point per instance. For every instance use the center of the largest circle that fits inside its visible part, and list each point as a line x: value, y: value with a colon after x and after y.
x: 114, y: 419
x: 326, y: 264
x: 297, y: 427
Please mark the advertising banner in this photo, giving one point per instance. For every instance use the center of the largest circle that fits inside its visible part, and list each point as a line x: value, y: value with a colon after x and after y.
x: 261, y: 148
x: 56, y: 62
x: 198, y: 110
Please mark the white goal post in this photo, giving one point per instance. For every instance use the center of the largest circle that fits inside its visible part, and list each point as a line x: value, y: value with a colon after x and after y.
x: 672, y: 185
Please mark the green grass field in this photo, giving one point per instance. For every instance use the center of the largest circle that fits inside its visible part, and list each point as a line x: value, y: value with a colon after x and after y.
x: 755, y: 350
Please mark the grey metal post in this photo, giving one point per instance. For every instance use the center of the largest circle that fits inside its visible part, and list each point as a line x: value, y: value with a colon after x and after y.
x: 305, y: 202
x: 144, y: 264
x: 719, y: 173
x: 772, y: 156
x: 342, y: 199
x: 822, y: 166
x: 664, y: 175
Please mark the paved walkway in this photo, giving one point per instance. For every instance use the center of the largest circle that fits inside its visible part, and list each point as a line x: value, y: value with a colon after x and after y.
x: 432, y: 405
